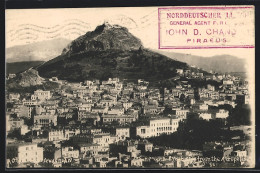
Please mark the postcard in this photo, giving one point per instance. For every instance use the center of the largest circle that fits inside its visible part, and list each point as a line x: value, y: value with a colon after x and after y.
x: 130, y: 87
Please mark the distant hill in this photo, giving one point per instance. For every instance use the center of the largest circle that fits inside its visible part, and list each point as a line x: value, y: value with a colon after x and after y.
x: 219, y: 63
x: 40, y: 51
x: 110, y: 51
x: 17, y: 67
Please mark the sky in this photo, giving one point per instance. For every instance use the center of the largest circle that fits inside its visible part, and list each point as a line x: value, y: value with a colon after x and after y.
x: 26, y: 26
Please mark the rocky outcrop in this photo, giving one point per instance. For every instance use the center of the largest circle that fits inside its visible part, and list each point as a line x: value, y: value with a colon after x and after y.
x: 30, y: 77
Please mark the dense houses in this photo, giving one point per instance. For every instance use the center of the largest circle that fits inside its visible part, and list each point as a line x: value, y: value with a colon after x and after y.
x: 100, y: 124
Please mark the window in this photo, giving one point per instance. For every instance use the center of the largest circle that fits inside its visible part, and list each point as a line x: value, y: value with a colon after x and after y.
x: 142, y: 131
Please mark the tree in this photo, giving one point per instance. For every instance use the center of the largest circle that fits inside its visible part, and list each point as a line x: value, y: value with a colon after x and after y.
x: 9, y: 105
x: 240, y: 115
x: 28, y: 121
x: 105, y: 75
x: 167, y: 110
x: 187, y: 100
x: 14, y: 115
x: 92, y: 73
x: 15, y: 134
x: 182, y: 98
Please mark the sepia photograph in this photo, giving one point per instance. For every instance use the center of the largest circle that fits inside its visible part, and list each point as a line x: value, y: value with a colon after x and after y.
x: 130, y: 87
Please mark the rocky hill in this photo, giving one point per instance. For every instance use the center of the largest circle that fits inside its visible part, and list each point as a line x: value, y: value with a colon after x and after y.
x: 30, y: 78
x: 110, y: 51
x: 27, y: 78
x: 29, y: 81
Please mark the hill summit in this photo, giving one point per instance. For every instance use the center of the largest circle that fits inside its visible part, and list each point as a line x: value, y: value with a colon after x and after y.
x: 104, y: 37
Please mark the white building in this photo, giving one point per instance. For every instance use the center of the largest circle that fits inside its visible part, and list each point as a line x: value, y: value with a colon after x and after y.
x: 223, y: 114
x: 203, y: 107
x: 240, y: 154
x: 111, y: 81
x: 8, y: 125
x: 24, y: 129
x: 122, y: 133
x: 211, y: 87
x: 60, y: 135
x: 16, y: 123
x: 56, y: 135
x: 227, y: 82
x: 180, y: 112
x: 158, y: 127
x: 205, y: 116
x: 117, y: 110
x: 127, y: 105
x: 14, y: 96
x: 45, y: 120
x: 30, y: 102
x: 103, y: 139
x: 41, y: 95
x: 69, y: 152
x: 179, y: 71
x: 92, y: 149
x: 25, y: 152
x: 121, y: 119
x: 89, y: 83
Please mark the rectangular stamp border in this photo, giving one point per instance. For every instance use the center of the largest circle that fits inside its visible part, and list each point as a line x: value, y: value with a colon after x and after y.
x: 198, y: 47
